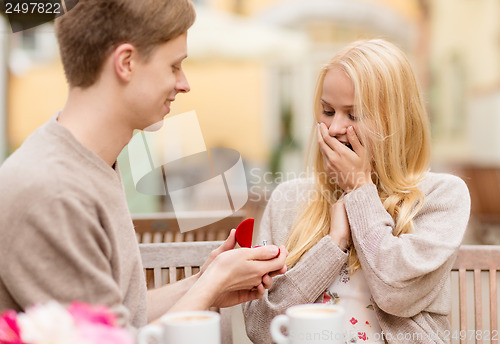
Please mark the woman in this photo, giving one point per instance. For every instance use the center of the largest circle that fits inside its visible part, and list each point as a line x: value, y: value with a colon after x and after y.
x: 372, y: 230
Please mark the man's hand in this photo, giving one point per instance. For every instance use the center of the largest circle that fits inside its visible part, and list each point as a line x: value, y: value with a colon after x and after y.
x: 232, y: 276
x: 239, y: 296
x: 244, y: 268
x: 233, y: 298
x: 229, y: 244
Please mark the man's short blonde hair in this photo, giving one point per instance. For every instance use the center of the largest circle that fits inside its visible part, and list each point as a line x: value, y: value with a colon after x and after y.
x: 94, y: 28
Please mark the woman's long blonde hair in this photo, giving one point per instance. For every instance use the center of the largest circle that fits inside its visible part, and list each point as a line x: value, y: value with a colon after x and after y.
x: 393, y: 127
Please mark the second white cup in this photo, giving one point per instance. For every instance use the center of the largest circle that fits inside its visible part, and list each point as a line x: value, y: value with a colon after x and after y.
x: 193, y: 327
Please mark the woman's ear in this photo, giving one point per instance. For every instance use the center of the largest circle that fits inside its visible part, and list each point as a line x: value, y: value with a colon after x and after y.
x: 124, y: 59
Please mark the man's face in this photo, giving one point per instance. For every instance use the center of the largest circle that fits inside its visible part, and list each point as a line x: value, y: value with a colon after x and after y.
x: 156, y: 82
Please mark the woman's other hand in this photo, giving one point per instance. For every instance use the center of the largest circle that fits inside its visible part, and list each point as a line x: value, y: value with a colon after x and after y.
x: 340, y: 231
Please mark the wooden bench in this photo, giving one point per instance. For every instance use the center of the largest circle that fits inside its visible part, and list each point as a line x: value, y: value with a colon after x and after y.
x: 474, y: 280
x: 171, y: 262
x: 467, y: 316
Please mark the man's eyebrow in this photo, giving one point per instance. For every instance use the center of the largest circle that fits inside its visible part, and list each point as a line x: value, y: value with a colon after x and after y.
x: 181, y: 58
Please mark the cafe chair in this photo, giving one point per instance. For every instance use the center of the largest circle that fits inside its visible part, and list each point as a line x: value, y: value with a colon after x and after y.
x: 171, y: 262
x: 474, y: 279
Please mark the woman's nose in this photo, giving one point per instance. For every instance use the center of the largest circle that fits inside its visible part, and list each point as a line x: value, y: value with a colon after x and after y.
x: 338, y: 126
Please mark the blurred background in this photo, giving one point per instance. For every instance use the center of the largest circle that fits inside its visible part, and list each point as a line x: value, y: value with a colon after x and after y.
x: 252, y: 67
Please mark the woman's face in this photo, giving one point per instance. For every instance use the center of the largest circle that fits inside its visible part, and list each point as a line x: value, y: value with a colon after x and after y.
x: 337, y: 101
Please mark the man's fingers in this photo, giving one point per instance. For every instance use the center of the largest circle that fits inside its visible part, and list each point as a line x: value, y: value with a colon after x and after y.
x: 231, y: 239
x: 229, y: 243
x: 267, y: 281
x: 281, y: 271
x: 284, y: 268
x: 254, y: 294
x: 272, y: 261
x: 267, y: 252
x: 263, y: 252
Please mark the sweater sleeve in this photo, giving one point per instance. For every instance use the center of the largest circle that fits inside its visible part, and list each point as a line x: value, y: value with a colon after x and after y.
x: 61, y: 252
x: 406, y: 273
x: 304, y: 283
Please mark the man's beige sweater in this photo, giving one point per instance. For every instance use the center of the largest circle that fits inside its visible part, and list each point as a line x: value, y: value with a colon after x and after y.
x: 408, y: 276
x: 66, y: 232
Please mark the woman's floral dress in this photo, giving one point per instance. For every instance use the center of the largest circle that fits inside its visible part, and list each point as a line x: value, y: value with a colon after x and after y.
x: 352, y: 293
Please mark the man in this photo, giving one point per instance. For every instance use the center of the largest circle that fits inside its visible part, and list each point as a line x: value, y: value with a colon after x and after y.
x: 65, y: 227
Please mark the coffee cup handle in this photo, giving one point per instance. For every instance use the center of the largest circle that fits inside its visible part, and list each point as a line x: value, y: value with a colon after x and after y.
x: 276, y: 324
x: 148, y: 332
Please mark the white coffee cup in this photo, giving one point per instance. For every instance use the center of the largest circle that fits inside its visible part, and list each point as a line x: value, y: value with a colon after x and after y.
x: 311, y: 323
x: 192, y: 327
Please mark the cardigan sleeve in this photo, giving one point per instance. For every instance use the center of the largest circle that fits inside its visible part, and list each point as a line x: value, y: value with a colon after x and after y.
x: 305, y: 282
x: 406, y: 273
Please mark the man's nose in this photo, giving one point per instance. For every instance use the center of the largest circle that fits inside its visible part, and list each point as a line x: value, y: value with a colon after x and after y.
x: 182, y: 85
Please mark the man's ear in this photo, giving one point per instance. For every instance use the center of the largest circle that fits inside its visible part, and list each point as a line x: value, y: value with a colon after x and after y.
x: 124, y: 59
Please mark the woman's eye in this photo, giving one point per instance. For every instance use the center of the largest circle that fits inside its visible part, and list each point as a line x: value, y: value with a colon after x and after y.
x: 328, y: 113
x: 175, y: 68
x: 353, y: 118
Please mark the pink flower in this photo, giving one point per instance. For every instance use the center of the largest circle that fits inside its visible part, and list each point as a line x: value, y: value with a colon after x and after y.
x: 52, y: 323
x: 9, y: 331
x: 83, y: 313
x: 96, y: 324
x: 49, y: 323
x: 353, y: 321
